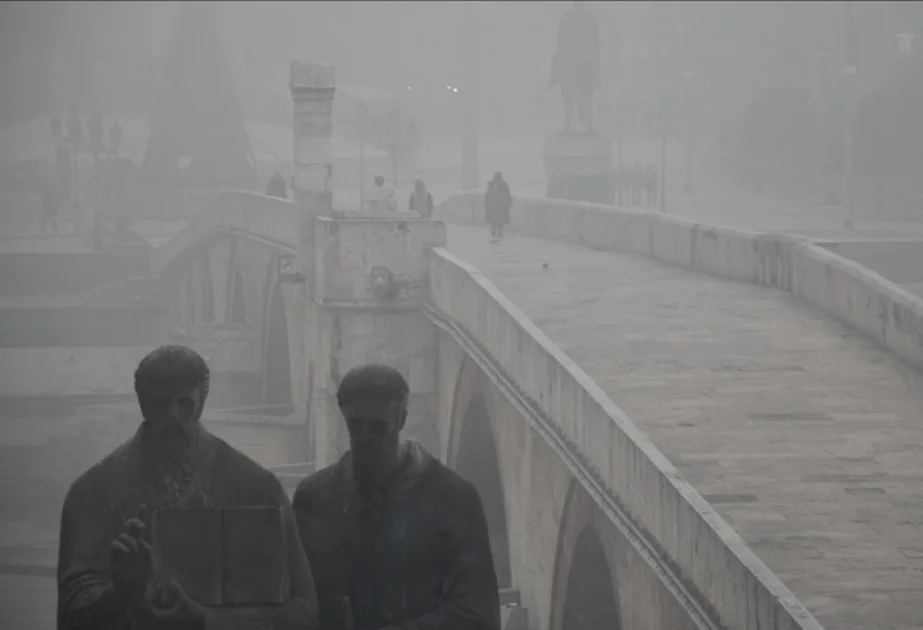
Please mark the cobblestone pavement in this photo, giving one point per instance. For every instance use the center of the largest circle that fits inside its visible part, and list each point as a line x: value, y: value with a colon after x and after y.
x: 805, y: 436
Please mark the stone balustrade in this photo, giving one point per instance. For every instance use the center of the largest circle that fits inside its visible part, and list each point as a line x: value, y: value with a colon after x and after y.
x: 842, y: 288
x: 706, y: 552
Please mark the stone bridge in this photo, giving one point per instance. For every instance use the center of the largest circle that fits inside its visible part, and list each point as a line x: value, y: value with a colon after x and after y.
x: 671, y: 425
x: 577, y: 494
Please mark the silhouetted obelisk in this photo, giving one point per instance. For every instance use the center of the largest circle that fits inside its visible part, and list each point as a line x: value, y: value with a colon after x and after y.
x: 198, y: 137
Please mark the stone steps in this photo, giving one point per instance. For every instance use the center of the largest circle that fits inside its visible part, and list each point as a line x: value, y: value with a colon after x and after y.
x: 132, y: 290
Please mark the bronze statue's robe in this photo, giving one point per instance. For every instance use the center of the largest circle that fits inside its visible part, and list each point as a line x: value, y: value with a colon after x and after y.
x: 112, y: 491
x: 413, y: 557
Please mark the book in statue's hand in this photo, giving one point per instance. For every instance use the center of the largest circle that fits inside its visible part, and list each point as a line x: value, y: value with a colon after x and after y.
x: 224, y: 556
x: 187, y: 545
x: 255, y: 564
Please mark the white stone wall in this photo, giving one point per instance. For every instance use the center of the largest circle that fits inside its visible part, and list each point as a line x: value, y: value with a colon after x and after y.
x: 347, y: 250
x: 852, y: 293
x: 350, y: 326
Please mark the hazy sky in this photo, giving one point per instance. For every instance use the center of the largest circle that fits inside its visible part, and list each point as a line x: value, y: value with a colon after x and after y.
x: 48, y: 49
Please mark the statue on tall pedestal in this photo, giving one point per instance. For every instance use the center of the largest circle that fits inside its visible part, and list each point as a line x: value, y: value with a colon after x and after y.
x: 575, y: 65
x: 578, y: 166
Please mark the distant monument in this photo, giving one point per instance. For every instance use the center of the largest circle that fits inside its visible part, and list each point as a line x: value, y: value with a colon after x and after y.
x: 198, y: 137
x: 578, y: 166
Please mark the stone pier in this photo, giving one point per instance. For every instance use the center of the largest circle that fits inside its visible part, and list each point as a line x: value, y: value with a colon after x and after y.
x: 363, y: 278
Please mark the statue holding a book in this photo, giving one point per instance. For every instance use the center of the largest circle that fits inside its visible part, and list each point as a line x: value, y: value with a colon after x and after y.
x: 176, y: 529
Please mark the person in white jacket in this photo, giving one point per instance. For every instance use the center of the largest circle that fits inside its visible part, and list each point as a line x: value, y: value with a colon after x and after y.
x: 383, y: 197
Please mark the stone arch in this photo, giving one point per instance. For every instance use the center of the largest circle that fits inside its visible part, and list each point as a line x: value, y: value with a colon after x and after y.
x: 585, y: 593
x: 474, y: 455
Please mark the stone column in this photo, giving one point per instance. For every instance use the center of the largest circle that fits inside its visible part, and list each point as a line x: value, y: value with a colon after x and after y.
x: 313, y: 86
x: 366, y: 277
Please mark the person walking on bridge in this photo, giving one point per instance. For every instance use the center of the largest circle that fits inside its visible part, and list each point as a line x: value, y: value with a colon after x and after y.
x: 383, y: 197
x: 277, y: 187
x: 497, y: 203
x: 421, y: 201
x: 50, y: 210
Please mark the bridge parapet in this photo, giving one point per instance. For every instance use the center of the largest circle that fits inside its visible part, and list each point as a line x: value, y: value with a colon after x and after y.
x: 620, y: 468
x: 840, y: 287
x: 256, y: 215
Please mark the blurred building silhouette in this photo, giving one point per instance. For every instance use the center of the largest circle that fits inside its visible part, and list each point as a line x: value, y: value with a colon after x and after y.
x: 198, y: 136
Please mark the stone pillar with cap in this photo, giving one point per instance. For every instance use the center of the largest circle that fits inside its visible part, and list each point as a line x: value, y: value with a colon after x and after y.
x: 313, y: 86
x: 365, y: 278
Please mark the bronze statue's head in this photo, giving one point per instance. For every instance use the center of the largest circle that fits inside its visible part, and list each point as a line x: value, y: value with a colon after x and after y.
x: 172, y: 384
x: 373, y: 399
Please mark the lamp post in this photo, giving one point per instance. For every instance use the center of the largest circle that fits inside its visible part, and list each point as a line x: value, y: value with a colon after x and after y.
x: 664, y: 115
x: 688, y: 105
x: 688, y: 89
x: 363, y: 116
x: 849, y: 86
x: 468, y: 51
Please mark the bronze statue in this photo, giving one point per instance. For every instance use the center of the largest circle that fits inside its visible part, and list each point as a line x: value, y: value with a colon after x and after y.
x: 145, y: 536
x: 396, y: 540
x: 575, y: 65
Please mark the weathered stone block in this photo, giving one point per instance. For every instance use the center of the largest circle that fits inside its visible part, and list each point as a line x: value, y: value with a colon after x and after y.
x: 347, y: 250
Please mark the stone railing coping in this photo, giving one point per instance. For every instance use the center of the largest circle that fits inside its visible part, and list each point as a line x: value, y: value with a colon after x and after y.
x: 838, y: 286
x: 240, y: 211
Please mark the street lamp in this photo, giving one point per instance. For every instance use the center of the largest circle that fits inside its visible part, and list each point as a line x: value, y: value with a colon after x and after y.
x: 849, y: 84
x: 688, y: 87
x: 849, y: 77
x: 664, y: 114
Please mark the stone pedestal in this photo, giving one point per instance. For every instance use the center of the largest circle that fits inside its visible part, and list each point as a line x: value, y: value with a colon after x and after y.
x: 371, y: 274
x: 364, y: 279
x: 578, y: 167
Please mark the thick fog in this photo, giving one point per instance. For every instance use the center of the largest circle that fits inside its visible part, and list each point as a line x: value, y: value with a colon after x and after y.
x: 122, y: 122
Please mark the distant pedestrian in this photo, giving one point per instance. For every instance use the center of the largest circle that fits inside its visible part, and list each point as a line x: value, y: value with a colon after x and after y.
x: 383, y: 197
x: 497, y: 203
x: 50, y: 210
x: 421, y: 201
x: 277, y: 187
x: 637, y: 183
x: 650, y: 181
x: 78, y: 214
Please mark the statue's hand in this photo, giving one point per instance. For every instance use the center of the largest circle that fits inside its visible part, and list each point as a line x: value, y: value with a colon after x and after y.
x: 166, y: 604
x: 130, y: 558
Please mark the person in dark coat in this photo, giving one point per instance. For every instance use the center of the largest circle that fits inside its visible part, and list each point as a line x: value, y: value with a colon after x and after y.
x: 396, y: 540
x: 107, y: 575
x: 276, y: 186
x: 50, y: 210
x: 497, y: 203
x: 421, y: 201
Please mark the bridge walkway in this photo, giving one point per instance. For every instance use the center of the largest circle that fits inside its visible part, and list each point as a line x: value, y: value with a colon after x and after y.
x: 805, y: 436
